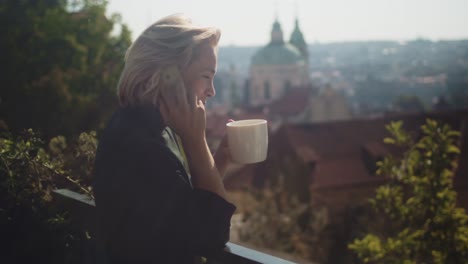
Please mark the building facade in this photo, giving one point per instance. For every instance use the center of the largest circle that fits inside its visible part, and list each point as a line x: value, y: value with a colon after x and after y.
x: 278, y: 67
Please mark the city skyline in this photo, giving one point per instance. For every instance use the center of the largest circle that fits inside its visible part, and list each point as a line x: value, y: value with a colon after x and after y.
x: 248, y: 23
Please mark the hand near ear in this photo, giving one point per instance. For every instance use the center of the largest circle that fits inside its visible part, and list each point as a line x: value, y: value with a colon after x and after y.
x: 180, y: 108
x: 184, y: 113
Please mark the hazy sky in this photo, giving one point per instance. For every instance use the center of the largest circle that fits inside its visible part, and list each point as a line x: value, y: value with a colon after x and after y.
x: 248, y: 22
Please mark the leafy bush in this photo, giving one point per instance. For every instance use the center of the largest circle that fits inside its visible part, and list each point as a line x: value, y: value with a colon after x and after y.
x: 421, y: 221
x: 34, y: 230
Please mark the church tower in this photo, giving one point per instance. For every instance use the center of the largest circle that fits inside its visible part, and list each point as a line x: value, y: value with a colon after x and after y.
x: 297, y: 40
x: 277, y: 33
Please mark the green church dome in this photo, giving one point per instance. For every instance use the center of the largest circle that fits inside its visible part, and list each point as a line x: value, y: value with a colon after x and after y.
x: 277, y: 53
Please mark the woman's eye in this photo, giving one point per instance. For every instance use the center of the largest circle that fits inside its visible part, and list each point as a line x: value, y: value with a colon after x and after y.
x: 206, y: 77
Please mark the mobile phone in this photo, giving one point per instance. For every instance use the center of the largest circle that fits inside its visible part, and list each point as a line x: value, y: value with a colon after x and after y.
x: 172, y: 85
x: 171, y: 75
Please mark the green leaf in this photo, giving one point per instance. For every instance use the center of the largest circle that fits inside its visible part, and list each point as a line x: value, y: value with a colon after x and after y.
x: 453, y: 149
x: 453, y: 133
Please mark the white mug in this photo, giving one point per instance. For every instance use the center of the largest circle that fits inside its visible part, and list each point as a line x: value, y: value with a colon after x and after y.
x: 248, y: 140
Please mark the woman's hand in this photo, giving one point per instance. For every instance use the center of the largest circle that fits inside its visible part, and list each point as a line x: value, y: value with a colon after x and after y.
x: 184, y: 113
x: 180, y: 108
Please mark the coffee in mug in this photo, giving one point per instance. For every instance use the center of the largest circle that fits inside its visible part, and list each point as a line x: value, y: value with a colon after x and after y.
x: 248, y: 140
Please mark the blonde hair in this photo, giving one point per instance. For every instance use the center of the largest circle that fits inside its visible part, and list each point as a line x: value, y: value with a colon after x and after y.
x: 171, y: 41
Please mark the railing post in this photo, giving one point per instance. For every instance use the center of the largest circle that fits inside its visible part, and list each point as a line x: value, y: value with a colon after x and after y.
x: 82, y: 214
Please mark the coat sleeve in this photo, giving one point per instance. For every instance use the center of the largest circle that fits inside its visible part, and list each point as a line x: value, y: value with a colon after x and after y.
x: 170, y: 214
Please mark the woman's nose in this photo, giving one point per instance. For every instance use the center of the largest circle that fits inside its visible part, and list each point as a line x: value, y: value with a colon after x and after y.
x: 210, y: 92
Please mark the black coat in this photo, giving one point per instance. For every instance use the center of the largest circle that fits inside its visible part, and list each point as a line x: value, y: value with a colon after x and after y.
x: 147, y: 210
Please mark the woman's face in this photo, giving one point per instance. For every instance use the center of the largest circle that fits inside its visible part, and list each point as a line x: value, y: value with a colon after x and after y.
x: 199, y: 75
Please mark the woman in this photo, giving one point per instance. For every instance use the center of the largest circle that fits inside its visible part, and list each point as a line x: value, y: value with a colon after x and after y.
x: 159, y: 192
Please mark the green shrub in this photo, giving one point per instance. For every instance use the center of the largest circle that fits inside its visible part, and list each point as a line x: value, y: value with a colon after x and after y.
x: 421, y: 221
x: 34, y: 230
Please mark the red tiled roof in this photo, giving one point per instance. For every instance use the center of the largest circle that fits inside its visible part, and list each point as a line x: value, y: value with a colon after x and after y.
x: 376, y: 149
x: 293, y: 103
x: 306, y: 154
x: 339, y: 145
x: 337, y: 148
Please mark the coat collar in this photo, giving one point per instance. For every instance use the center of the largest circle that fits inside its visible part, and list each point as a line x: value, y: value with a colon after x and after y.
x: 148, y: 116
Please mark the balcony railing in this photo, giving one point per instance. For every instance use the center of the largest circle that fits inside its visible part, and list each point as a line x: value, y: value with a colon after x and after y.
x: 81, y: 209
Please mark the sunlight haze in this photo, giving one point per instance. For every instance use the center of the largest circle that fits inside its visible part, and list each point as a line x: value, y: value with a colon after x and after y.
x: 248, y: 22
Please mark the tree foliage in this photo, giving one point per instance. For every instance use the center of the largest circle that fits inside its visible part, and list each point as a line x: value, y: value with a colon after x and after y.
x: 421, y: 221
x: 278, y: 220
x: 32, y: 229
x: 62, y: 64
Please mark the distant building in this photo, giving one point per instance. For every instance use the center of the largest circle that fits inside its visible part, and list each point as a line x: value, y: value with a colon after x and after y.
x: 278, y: 67
x: 228, y: 86
x: 280, y: 82
x: 327, y: 105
